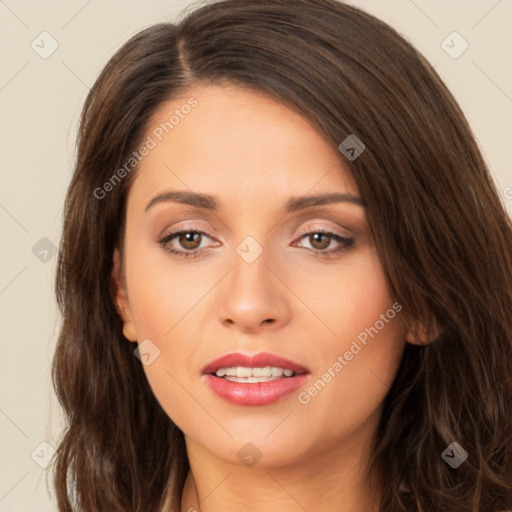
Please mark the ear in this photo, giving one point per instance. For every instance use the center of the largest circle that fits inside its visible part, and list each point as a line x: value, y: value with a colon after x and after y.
x: 120, y: 297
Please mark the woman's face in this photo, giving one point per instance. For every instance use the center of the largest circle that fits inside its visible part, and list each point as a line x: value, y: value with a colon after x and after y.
x: 259, y: 279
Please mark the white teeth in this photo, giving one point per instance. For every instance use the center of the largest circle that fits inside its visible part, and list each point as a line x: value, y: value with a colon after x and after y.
x: 244, y: 373
x: 251, y: 380
x: 262, y: 372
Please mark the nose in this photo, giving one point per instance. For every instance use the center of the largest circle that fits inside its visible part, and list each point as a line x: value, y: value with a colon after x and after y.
x: 253, y: 296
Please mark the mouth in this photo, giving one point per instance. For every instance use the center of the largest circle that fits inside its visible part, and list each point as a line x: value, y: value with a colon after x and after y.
x: 263, y: 365
x: 257, y: 379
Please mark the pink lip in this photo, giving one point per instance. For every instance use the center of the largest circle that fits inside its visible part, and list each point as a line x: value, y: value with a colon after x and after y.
x: 257, y: 393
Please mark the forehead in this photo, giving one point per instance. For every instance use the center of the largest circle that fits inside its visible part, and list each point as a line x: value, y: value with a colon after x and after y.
x: 239, y: 145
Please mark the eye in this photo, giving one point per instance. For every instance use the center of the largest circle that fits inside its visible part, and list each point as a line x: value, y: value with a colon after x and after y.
x: 190, y: 240
x: 320, y: 240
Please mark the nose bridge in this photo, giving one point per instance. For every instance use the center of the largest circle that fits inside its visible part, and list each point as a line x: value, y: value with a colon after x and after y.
x: 251, y: 277
x: 252, y: 294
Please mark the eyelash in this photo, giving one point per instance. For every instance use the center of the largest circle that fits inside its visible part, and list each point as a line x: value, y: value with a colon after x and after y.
x: 346, y: 243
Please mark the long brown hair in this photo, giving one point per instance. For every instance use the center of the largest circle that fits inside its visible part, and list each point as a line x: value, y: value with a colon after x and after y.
x: 442, y: 233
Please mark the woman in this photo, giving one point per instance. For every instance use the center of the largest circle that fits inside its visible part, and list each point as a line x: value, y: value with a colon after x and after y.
x: 285, y: 276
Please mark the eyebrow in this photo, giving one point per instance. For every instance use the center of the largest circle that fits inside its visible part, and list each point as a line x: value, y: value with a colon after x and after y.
x: 293, y: 204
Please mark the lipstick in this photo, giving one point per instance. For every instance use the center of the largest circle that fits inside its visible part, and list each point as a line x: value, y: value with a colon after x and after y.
x: 276, y: 384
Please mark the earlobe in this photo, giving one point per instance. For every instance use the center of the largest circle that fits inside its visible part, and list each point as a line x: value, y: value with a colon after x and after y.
x: 415, y: 339
x: 420, y: 336
x: 120, y: 297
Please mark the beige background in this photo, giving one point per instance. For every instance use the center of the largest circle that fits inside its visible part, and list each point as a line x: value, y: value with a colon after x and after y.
x: 40, y: 100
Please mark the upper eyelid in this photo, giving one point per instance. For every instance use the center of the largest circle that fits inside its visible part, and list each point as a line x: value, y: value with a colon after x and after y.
x: 315, y: 225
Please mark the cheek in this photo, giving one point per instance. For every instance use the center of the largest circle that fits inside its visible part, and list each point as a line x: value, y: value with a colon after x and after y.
x: 360, y: 352
x: 162, y: 299
x: 371, y: 331
x: 347, y: 298
x: 157, y: 311
x: 161, y: 293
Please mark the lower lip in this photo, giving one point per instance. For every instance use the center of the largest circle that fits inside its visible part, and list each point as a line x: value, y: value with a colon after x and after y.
x: 257, y: 393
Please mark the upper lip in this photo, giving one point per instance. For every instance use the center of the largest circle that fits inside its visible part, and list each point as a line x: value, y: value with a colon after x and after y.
x: 259, y: 360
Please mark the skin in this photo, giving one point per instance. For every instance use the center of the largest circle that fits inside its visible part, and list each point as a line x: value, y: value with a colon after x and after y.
x: 253, y: 153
